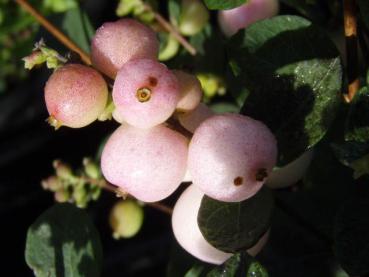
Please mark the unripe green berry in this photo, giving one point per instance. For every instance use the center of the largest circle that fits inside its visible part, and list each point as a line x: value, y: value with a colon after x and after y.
x: 193, y: 18
x: 126, y: 218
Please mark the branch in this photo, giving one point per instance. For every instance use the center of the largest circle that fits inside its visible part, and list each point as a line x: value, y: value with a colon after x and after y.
x: 171, y: 29
x: 350, y: 26
x: 111, y: 188
x: 54, y: 31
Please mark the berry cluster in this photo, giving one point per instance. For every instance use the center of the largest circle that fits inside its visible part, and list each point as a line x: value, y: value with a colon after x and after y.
x: 228, y: 157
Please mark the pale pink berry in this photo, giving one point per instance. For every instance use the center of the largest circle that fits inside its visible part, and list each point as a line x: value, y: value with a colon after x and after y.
x: 149, y: 163
x: 241, y: 17
x: 75, y: 96
x: 188, y: 234
x: 115, y: 43
x: 230, y: 156
x: 190, y: 90
x: 145, y: 93
x: 191, y: 120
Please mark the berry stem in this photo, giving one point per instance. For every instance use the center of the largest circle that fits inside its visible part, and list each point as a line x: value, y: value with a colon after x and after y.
x: 111, y: 188
x: 350, y: 26
x: 172, y: 30
x: 54, y: 31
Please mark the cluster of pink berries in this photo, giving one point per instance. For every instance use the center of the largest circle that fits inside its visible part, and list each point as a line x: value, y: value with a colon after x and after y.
x: 228, y: 157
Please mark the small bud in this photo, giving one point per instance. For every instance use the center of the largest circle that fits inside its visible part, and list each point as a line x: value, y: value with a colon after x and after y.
x: 92, y: 170
x: 62, y: 170
x: 126, y: 218
x: 80, y: 195
x: 51, y: 183
x: 136, y: 8
x: 36, y: 58
x: 95, y: 192
x: 211, y: 85
x: 61, y: 196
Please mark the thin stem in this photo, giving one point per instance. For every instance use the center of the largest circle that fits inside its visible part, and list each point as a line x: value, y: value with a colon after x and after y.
x: 171, y: 29
x: 350, y: 26
x: 54, y: 31
x: 111, y: 188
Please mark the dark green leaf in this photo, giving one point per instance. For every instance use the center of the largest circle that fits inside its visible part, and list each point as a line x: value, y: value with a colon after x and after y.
x: 63, y: 242
x: 352, y: 233
x: 78, y: 27
x: 294, y: 92
x: 223, y: 4
x: 357, y: 123
x: 196, y: 271
x: 235, y: 226
x: 350, y: 151
x: 240, y: 264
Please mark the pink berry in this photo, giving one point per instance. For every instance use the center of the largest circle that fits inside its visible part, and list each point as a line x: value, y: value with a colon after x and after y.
x: 146, y: 163
x: 190, y: 90
x: 145, y: 93
x: 193, y: 119
x: 241, y: 17
x: 187, y: 231
x: 75, y: 96
x: 188, y: 234
x: 115, y: 43
x: 230, y: 156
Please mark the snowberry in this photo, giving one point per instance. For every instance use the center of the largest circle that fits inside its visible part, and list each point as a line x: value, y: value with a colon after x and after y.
x: 241, y: 17
x: 191, y: 120
x: 75, y: 96
x: 145, y: 93
x: 126, y: 218
x: 190, y: 91
x: 146, y: 163
x: 187, y: 232
x: 289, y: 174
x: 194, y: 16
x: 117, y: 42
x: 230, y: 156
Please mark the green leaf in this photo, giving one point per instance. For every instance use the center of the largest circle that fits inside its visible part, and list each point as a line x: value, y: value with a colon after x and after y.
x: 240, y: 264
x: 364, y: 10
x: 63, y: 242
x: 235, y: 226
x: 350, y: 151
x: 60, y: 5
x: 352, y: 233
x: 357, y: 122
x: 174, y: 10
x: 223, y: 4
x: 78, y: 27
x: 196, y: 271
x: 295, y: 92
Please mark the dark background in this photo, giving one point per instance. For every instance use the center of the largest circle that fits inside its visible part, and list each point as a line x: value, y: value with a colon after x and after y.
x: 27, y: 148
